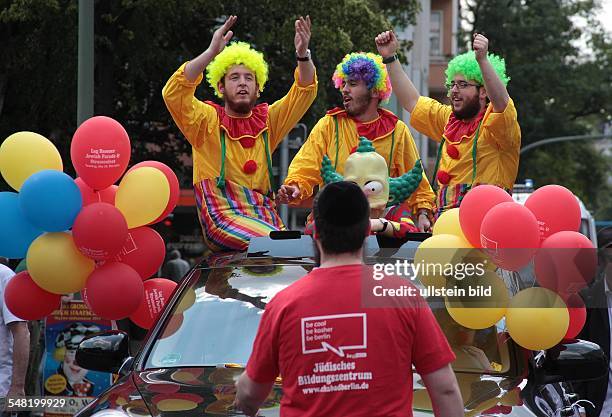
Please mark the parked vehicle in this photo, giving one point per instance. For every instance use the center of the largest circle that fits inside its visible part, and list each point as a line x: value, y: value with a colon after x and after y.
x: 193, y: 355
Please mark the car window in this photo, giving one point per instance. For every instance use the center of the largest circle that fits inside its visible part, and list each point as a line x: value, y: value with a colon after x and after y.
x: 216, y: 319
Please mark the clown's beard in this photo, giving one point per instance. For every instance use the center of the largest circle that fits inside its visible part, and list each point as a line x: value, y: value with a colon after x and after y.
x: 470, y: 109
x: 241, y: 107
x: 358, y: 105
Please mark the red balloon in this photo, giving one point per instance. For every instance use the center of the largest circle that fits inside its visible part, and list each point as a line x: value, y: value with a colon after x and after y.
x: 27, y: 300
x: 545, y: 204
x: 475, y: 205
x: 157, y: 293
x: 510, y: 236
x: 90, y: 196
x: 100, y: 151
x: 172, y: 181
x: 577, y: 315
x: 144, y: 250
x: 566, y: 263
x: 114, y: 291
x: 100, y: 231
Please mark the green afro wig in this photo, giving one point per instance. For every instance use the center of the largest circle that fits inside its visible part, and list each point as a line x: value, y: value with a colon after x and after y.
x: 237, y: 53
x: 466, y: 65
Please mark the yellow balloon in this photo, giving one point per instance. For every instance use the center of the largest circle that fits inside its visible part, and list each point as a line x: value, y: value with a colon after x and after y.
x: 25, y: 153
x: 537, y: 318
x: 434, y: 254
x: 448, y: 224
x: 56, y: 265
x: 142, y: 196
x: 481, y: 309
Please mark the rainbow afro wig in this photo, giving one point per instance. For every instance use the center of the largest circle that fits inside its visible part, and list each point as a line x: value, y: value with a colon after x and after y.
x: 364, y: 66
x: 237, y: 53
x: 466, y: 65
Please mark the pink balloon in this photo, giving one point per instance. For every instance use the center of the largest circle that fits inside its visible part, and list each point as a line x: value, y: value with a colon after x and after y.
x: 27, y: 300
x: 172, y: 181
x: 99, y: 231
x: 556, y: 209
x: 510, y: 236
x: 100, y: 151
x: 114, y: 291
x: 144, y: 250
x: 566, y: 263
x: 90, y: 196
x: 475, y: 205
x: 157, y: 294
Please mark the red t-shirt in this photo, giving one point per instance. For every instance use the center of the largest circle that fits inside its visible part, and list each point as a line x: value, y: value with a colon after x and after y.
x: 337, y: 358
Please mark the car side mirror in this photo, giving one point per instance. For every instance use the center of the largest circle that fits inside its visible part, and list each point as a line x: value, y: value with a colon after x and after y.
x: 573, y: 360
x: 105, y: 351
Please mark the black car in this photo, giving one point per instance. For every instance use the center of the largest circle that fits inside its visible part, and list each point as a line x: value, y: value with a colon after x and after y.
x: 193, y: 355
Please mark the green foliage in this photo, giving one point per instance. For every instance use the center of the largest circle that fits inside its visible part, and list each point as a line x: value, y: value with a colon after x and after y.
x: 138, y: 44
x: 561, y: 83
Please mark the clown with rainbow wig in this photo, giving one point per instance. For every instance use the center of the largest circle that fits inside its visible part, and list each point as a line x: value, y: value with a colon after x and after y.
x: 363, y: 81
x: 478, y: 133
x: 232, y: 143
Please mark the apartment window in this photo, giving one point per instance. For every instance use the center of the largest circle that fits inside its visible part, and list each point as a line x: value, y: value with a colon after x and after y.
x: 435, y: 33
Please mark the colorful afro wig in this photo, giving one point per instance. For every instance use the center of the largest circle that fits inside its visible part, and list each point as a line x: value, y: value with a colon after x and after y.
x: 237, y: 53
x: 364, y: 66
x: 466, y: 65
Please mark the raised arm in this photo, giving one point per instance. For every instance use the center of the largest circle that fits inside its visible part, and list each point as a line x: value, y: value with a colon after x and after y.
x: 220, y: 38
x: 496, y: 90
x: 407, y: 94
x: 302, y: 39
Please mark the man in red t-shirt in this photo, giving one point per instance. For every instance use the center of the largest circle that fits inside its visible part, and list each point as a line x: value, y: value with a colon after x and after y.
x: 336, y: 357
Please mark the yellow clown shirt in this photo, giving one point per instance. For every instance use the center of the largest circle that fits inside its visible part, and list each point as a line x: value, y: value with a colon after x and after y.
x: 337, y: 135
x: 232, y: 158
x: 482, y: 151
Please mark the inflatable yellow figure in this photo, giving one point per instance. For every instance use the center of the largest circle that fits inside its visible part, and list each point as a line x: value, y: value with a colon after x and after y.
x: 369, y: 170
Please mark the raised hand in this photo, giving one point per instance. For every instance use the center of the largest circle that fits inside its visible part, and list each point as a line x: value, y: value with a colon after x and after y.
x: 480, y: 46
x: 302, y: 35
x: 222, y: 35
x: 387, y: 44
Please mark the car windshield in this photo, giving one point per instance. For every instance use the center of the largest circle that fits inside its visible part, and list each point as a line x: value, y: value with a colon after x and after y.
x: 216, y: 318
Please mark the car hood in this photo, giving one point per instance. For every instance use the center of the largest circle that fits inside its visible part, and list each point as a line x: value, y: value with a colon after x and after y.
x: 210, y: 392
x: 196, y: 392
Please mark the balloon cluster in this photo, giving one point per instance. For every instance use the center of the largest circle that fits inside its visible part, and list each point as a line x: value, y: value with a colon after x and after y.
x: 491, y: 229
x: 85, y: 234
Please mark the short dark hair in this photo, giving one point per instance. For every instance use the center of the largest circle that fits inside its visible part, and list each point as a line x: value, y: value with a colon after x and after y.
x: 342, y: 217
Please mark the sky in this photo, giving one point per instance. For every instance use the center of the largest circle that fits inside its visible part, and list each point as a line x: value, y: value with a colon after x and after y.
x: 606, y: 14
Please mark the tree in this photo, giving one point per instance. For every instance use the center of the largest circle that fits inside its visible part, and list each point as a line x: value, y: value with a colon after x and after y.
x: 560, y: 87
x: 138, y: 44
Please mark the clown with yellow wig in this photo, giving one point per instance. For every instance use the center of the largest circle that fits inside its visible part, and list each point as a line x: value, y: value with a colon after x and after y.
x: 232, y: 144
x: 478, y: 132
x: 363, y: 81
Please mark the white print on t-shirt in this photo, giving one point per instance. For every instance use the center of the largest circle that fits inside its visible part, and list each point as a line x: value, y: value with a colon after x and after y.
x: 335, y: 333
x: 318, y: 333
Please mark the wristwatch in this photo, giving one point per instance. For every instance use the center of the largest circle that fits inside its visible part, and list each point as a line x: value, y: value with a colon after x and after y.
x: 385, y: 223
x: 389, y: 59
x: 303, y: 58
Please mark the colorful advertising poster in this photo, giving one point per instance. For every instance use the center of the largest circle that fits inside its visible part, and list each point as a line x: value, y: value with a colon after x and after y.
x: 62, y: 377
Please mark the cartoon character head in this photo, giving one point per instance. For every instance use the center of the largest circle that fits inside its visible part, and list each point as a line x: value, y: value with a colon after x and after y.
x: 369, y: 170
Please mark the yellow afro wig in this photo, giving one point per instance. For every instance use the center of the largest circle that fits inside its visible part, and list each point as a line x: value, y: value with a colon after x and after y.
x: 237, y: 53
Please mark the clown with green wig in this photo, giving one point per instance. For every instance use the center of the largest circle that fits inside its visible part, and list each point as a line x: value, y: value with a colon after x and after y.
x: 478, y: 133
x: 232, y: 143
x: 363, y: 82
